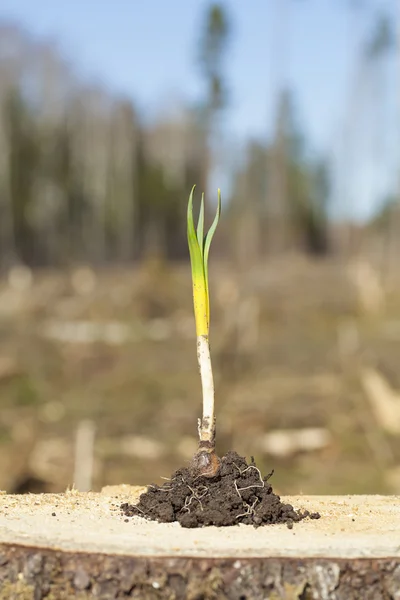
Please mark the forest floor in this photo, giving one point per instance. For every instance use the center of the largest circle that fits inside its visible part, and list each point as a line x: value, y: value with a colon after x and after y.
x: 112, y: 354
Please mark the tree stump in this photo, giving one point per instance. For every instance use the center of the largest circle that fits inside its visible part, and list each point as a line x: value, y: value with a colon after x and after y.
x: 78, y: 545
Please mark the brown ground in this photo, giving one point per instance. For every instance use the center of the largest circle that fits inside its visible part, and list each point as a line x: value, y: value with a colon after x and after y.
x: 143, y: 392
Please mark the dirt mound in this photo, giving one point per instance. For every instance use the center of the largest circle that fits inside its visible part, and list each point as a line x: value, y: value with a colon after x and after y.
x: 239, y: 494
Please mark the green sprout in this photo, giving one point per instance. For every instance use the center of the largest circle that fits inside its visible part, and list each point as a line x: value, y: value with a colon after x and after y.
x: 205, y: 461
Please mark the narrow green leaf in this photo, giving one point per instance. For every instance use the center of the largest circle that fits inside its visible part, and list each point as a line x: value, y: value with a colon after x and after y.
x: 210, y: 234
x: 200, y: 226
x: 199, y: 285
x: 190, y: 223
x: 191, y: 234
x: 207, y: 243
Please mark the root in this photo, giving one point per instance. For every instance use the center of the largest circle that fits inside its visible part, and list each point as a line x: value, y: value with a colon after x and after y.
x: 250, y: 509
x: 135, y: 507
x: 237, y: 489
x: 264, y: 479
x: 161, y: 489
x: 249, y: 487
x: 241, y: 471
x: 196, y: 495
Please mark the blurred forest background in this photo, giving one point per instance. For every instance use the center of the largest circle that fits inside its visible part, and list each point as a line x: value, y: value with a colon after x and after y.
x: 98, y: 377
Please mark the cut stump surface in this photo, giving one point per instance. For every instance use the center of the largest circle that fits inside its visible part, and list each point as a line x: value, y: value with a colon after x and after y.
x: 77, y: 545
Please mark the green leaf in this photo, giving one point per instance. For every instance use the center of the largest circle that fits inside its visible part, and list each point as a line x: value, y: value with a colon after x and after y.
x: 199, y: 247
x: 190, y: 223
x: 199, y: 285
x: 194, y: 249
x: 209, y: 237
x: 200, y: 226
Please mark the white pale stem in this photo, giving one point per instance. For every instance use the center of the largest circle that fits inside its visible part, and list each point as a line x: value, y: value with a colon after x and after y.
x: 207, y: 423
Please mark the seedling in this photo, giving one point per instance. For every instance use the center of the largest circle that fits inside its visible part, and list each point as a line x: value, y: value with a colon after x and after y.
x: 239, y: 494
x: 205, y: 461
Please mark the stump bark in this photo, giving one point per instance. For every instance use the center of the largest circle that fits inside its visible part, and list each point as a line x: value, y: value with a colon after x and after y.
x: 76, y: 545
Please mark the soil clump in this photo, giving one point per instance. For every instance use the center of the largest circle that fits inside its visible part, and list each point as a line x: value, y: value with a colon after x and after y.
x: 238, y: 494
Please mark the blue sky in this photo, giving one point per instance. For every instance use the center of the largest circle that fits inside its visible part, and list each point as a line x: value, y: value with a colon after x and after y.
x: 146, y: 48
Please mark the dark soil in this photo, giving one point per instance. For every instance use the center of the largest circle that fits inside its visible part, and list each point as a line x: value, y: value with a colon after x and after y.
x: 238, y: 494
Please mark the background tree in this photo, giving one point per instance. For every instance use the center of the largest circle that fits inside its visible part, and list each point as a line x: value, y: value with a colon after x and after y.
x: 213, y: 45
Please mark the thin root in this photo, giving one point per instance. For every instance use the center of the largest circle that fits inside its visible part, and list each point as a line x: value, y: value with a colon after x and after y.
x: 138, y: 509
x: 249, y: 487
x: 250, y: 509
x: 241, y: 471
x: 160, y: 489
x: 195, y: 496
x: 237, y: 489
